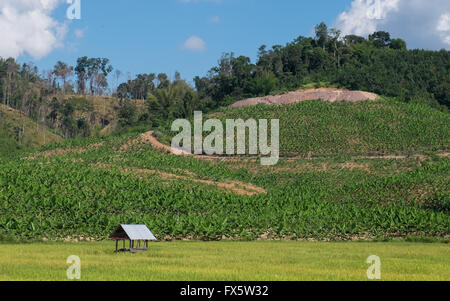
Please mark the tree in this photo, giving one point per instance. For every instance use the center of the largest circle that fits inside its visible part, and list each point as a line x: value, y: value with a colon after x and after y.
x: 143, y: 85
x: 93, y: 66
x: 68, y: 123
x: 177, y: 76
x: 11, y: 68
x: 177, y: 100
x: 81, y: 71
x: 380, y: 39
x: 117, y: 75
x: 101, y: 83
x: 123, y: 91
x: 163, y: 81
x: 264, y: 60
x: 335, y: 36
x: 55, y: 108
x: 127, y: 113
x: 353, y: 39
x: 2, y: 78
x: 96, y: 70
x: 62, y: 70
x: 398, y: 44
x: 83, y: 128
x: 322, y: 36
x: 138, y: 88
x: 263, y: 83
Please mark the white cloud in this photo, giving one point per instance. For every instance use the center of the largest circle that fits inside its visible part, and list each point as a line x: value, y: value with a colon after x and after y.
x: 443, y: 27
x: 215, y: 19
x: 422, y: 23
x: 79, y: 33
x: 194, y: 43
x: 364, y: 16
x: 27, y: 27
x: 444, y: 23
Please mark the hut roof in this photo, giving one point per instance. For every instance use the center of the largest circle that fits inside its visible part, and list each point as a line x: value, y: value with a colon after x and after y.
x: 133, y: 232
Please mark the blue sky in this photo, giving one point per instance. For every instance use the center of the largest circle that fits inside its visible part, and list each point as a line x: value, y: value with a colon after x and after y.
x: 148, y: 36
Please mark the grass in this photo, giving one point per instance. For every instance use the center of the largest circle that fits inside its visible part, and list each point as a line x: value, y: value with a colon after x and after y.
x: 227, y: 261
x: 104, y: 108
x: 18, y: 132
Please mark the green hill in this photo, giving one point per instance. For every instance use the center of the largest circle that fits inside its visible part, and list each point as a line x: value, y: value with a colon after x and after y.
x: 18, y: 132
x: 85, y: 187
x: 319, y: 128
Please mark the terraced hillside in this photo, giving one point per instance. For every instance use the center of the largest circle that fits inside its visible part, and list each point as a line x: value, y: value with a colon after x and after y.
x: 81, y: 189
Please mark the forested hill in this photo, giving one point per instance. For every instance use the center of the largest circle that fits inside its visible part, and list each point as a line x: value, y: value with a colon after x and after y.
x: 378, y: 64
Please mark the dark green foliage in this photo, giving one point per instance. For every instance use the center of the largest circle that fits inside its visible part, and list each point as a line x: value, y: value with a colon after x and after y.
x: 64, y: 116
x: 379, y: 64
x: 380, y: 39
x: 83, y: 128
x: 127, y: 113
x: 94, y: 71
x: 139, y: 88
x: 398, y: 44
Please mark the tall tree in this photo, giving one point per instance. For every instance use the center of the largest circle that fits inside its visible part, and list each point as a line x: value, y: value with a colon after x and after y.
x: 322, y: 34
x: 81, y: 71
x: 335, y: 35
x: 63, y: 71
x: 163, y: 81
x: 96, y: 70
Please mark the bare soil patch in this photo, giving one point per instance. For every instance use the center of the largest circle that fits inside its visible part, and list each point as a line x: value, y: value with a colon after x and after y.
x: 56, y: 152
x: 326, y: 94
x: 148, y: 138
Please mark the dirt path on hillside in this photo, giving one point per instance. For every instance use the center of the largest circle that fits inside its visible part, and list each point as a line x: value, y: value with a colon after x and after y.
x: 326, y: 94
x: 235, y: 187
x: 56, y: 152
x: 148, y: 138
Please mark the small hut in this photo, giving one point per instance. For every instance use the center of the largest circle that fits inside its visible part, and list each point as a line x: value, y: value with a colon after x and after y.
x: 135, y: 234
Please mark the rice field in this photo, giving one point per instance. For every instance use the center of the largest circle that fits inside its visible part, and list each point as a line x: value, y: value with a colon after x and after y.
x: 227, y: 261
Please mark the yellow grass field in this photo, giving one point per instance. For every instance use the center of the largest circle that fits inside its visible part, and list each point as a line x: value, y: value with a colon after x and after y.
x: 227, y: 261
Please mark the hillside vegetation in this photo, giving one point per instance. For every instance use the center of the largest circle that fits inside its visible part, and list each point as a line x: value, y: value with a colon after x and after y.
x: 366, y: 170
x: 71, y: 98
x: 84, y: 188
x: 18, y: 132
x: 319, y: 128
